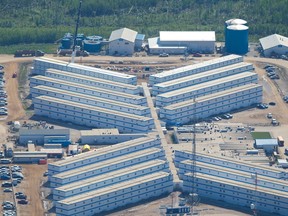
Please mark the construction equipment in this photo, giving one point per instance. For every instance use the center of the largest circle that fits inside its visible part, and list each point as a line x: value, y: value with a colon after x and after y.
x: 22, y: 53
x: 68, y: 52
x: 76, y: 32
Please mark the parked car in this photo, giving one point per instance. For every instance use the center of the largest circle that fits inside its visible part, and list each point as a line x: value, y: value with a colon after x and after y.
x: 23, y: 201
x: 7, y: 184
x: 21, y: 196
x: 45, y: 173
x: 7, y: 190
x: 164, y: 55
x: 7, y: 202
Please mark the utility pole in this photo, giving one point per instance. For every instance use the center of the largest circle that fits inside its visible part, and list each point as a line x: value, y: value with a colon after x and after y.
x: 193, y: 196
x: 76, y: 32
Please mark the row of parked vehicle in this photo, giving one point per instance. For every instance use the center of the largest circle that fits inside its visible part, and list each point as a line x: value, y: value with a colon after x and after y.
x: 3, y: 95
x: 271, y: 72
x: 224, y: 116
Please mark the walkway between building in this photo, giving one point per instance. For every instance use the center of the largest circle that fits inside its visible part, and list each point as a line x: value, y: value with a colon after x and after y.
x: 159, y: 131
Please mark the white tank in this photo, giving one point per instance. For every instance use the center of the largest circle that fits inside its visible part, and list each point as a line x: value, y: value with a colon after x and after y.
x: 235, y: 22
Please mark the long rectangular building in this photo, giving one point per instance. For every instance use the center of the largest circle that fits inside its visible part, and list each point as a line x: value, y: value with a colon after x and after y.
x: 213, y: 104
x: 89, y: 100
x: 194, y: 69
x: 119, y: 162
x: 88, y: 90
x: 92, y: 81
x: 83, y: 114
x: 123, y: 193
x: 102, y: 154
x: 205, y: 88
x: 106, y: 179
x: 201, y: 78
x: 40, y: 65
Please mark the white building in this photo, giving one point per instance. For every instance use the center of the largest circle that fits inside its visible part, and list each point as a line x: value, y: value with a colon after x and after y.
x: 40, y: 65
x: 105, y: 136
x: 122, y: 42
x: 274, y: 44
x: 88, y: 90
x: 212, y: 104
x: 194, y: 69
x: 180, y: 42
x: 92, y: 81
x: 205, y: 88
x: 233, y: 181
x: 206, y: 76
x: 89, y: 100
x: 268, y: 145
x: 91, y: 116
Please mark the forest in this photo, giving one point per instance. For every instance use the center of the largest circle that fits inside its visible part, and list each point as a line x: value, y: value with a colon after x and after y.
x: 46, y: 21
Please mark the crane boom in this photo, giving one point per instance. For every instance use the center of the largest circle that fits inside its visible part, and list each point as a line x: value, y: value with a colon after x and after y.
x: 76, y: 31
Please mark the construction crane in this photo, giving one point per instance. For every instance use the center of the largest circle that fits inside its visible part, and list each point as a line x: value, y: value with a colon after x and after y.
x: 76, y: 32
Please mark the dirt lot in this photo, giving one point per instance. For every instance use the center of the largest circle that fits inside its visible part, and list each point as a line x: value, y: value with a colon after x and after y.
x: 33, y: 173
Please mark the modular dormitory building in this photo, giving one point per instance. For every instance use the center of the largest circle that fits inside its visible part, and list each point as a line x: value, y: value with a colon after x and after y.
x: 42, y: 64
x: 89, y: 100
x: 212, y: 104
x: 116, y: 195
x: 201, y: 78
x: 233, y: 181
x: 88, y: 90
x: 91, y: 116
x: 92, y: 81
x: 194, y: 69
x: 206, y: 88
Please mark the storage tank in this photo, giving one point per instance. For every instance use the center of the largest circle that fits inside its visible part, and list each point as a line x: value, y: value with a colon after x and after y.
x: 236, y: 40
x: 66, y: 43
x: 92, y: 46
x: 86, y: 148
x: 235, y: 22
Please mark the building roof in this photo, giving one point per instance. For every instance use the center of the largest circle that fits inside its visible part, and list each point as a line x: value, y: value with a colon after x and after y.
x: 51, y: 151
x: 267, y: 142
x: 124, y: 33
x: 273, y: 41
x: 44, y: 132
x: 153, y: 43
x: 100, y: 132
x: 140, y: 37
x: 187, y: 36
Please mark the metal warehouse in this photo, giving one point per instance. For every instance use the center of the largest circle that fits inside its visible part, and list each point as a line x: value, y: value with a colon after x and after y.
x: 186, y: 41
x: 122, y: 42
x: 274, y: 45
x: 91, y: 116
x: 37, y: 136
x: 101, y: 154
x: 212, y: 104
x: 105, y: 136
x: 42, y: 64
x: 194, y: 69
x: 233, y: 181
x: 92, y: 81
x: 88, y: 90
x: 106, y: 179
x: 206, y: 88
x: 89, y: 100
x: 200, y: 78
x: 28, y: 157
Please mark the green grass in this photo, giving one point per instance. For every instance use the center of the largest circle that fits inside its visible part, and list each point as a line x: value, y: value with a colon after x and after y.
x: 261, y: 135
x: 11, y: 49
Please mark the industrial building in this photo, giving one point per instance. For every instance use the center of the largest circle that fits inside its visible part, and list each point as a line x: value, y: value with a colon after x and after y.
x: 268, y: 145
x: 91, y: 116
x: 89, y: 100
x: 201, y: 78
x: 122, y: 42
x: 212, y: 104
x: 205, y: 88
x: 92, y: 81
x: 108, y: 177
x: 194, y: 69
x: 235, y: 182
x: 139, y: 42
x: 86, y: 89
x: 181, y: 42
x: 274, y: 45
x: 40, y: 65
x: 106, y: 136
x: 29, y: 157
x: 38, y: 136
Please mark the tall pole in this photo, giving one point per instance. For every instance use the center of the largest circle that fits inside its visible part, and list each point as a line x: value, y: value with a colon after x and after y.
x: 76, y: 32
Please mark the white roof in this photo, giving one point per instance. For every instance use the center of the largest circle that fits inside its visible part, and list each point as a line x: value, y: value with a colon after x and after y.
x: 273, y: 41
x: 187, y: 36
x: 153, y: 44
x: 236, y: 22
x: 124, y: 33
x: 237, y: 27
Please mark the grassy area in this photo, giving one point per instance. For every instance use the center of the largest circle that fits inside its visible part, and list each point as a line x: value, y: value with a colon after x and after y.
x: 261, y: 135
x: 11, y: 49
x: 23, y: 88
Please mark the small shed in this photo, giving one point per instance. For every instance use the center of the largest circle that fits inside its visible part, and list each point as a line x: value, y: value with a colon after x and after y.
x: 268, y: 145
x: 139, y: 41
